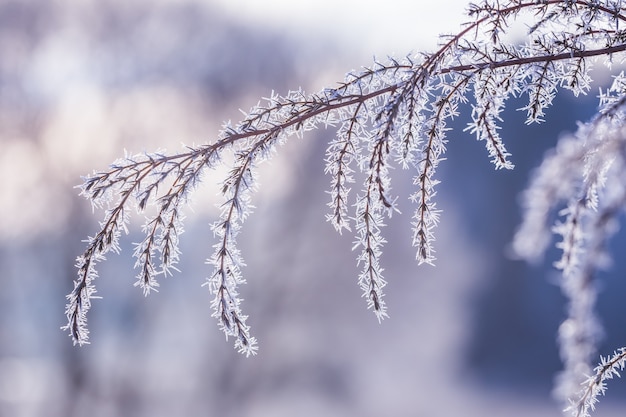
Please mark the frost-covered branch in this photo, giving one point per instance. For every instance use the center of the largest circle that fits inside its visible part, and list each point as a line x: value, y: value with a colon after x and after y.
x: 595, y: 385
x: 585, y: 174
x: 397, y: 113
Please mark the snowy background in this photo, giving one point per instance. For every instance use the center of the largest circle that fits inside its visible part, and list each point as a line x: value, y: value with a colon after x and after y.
x: 81, y: 81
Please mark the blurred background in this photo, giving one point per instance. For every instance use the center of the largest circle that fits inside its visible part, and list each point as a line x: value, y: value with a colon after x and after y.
x: 81, y: 81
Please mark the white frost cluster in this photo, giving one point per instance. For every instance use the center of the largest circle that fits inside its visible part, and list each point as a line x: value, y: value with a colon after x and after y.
x: 584, y: 176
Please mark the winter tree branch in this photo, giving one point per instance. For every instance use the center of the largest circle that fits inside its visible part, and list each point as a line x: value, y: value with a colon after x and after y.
x: 395, y: 113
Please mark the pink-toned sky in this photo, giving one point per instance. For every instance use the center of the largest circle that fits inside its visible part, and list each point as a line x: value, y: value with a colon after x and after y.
x: 397, y: 27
